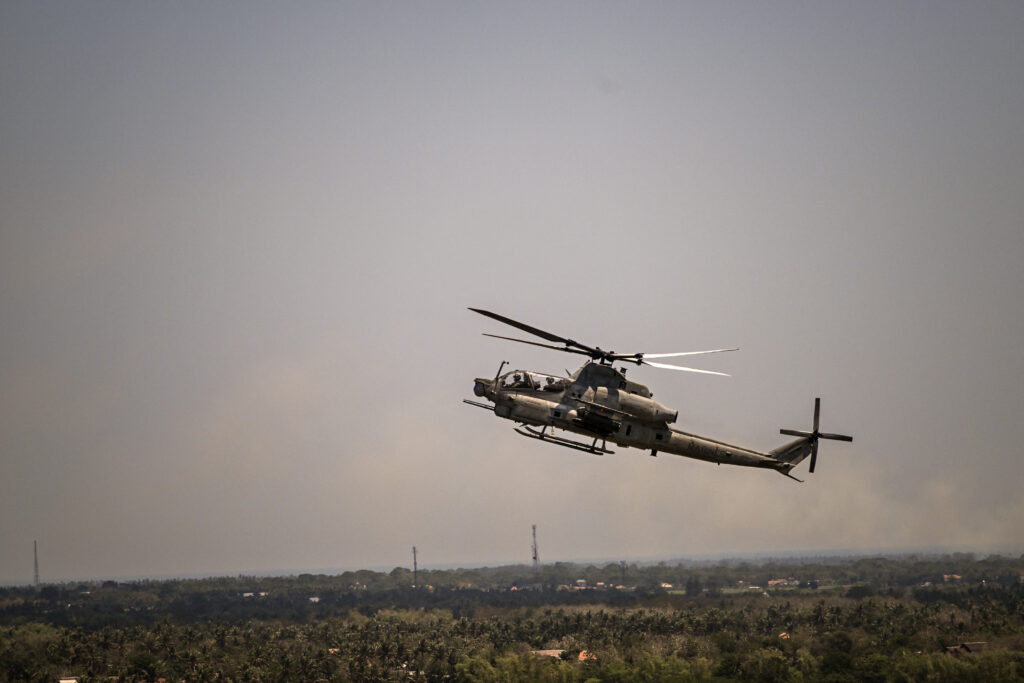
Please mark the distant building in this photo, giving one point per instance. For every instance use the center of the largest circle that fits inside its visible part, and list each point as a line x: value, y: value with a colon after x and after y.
x: 776, y: 583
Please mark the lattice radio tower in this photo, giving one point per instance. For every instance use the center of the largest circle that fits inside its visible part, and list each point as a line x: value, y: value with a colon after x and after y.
x: 415, y: 569
x: 35, y: 560
x: 536, y: 555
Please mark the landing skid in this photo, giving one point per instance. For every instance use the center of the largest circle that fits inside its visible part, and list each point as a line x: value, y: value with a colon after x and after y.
x: 560, y: 441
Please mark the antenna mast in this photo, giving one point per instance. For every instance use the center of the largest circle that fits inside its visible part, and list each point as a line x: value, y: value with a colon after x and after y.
x: 415, y: 569
x: 35, y: 557
x: 536, y: 555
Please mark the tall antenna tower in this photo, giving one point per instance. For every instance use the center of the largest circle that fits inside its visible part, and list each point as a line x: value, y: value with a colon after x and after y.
x: 415, y: 569
x: 35, y: 558
x: 536, y: 554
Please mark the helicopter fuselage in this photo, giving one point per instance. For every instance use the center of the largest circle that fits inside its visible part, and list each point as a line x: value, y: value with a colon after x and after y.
x: 598, y: 402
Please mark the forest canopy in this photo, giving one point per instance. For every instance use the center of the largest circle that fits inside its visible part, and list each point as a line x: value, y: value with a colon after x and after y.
x: 950, y: 617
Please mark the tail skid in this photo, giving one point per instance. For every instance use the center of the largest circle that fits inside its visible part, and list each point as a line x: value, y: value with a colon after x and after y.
x: 793, y: 453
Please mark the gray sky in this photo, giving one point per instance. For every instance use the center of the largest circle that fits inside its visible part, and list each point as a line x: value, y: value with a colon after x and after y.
x: 238, y: 240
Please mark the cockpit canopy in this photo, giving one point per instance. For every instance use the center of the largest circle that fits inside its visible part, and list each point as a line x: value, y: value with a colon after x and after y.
x: 531, y: 381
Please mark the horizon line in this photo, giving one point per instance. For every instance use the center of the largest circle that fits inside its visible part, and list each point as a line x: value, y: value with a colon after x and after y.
x: 452, y: 566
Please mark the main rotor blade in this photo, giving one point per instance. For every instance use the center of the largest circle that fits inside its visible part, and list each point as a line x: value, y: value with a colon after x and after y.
x: 666, y: 366
x: 595, y: 353
x: 532, y: 343
x: 684, y: 353
x: 523, y: 326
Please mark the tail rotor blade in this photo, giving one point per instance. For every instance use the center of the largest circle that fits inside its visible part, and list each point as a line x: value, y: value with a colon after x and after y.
x: 817, y: 413
x: 814, y: 454
x: 835, y: 437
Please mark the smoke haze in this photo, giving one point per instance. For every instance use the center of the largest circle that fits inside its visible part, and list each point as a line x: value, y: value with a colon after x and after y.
x: 237, y: 244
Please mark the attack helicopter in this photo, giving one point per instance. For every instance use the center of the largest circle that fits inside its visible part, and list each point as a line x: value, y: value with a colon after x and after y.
x: 599, y: 403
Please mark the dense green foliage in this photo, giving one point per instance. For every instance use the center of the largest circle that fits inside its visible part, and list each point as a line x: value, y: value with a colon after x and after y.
x: 864, y: 619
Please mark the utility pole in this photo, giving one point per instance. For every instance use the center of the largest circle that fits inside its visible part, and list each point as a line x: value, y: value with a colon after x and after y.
x: 35, y: 557
x: 415, y: 569
x: 536, y: 554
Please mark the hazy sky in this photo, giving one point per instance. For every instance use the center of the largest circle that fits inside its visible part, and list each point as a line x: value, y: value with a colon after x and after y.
x: 238, y: 240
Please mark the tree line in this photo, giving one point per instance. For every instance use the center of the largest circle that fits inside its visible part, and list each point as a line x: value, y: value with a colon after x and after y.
x: 867, y: 619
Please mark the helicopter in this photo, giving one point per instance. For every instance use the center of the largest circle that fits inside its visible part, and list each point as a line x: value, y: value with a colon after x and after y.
x: 599, y: 403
